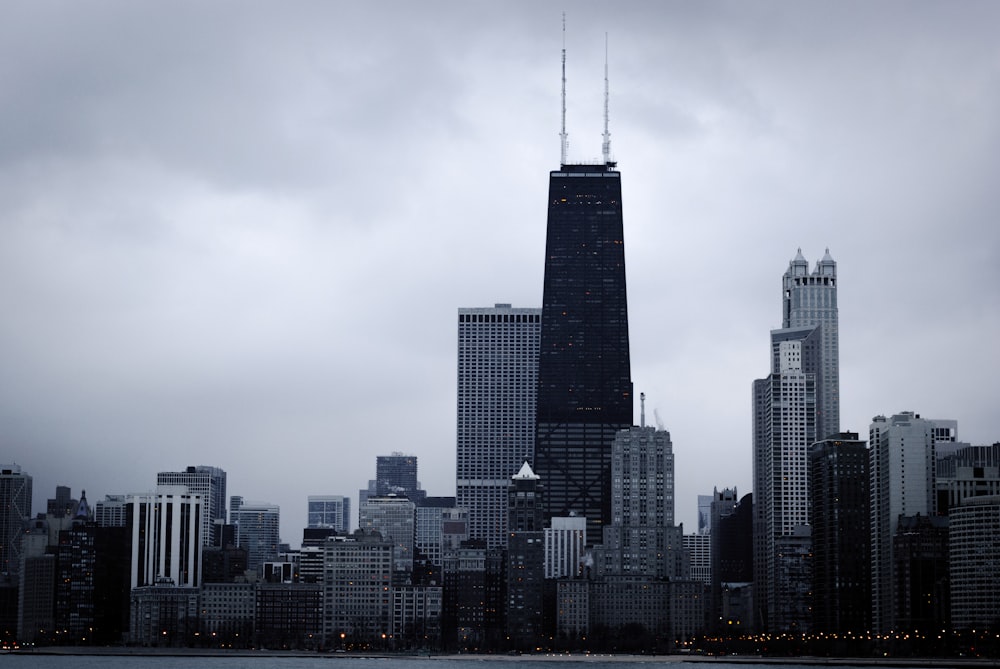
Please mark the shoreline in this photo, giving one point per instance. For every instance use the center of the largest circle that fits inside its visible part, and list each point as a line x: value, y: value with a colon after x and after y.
x: 116, y: 651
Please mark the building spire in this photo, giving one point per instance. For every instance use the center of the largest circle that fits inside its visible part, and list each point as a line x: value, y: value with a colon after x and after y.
x: 563, y: 137
x: 606, y: 144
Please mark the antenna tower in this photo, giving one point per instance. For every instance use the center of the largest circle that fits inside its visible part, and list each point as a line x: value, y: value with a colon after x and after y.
x: 563, y: 137
x: 606, y: 144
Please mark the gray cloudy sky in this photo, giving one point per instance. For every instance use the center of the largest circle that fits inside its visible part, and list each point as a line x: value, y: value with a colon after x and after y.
x: 238, y: 233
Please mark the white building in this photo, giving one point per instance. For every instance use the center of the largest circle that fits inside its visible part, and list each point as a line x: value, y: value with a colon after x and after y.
x: 497, y: 393
x: 902, y: 473
x: 565, y: 539
x: 795, y: 406
x: 166, y: 537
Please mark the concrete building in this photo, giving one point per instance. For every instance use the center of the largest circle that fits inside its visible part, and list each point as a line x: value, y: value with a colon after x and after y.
x: 210, y: 483
x: 565, y: 540
x: 15, y: 511
x: 439, y: 526
x: 227, y: 613
x: 329, y: 511
x: 974, y: 562
x: 840, y: 513
x: 699, y: 551
x: 257, y: 530
x: 166, y: 543
x: 394, y: 518
x: 357, y: 596
x: 497, y: 391
x: 902, y: 460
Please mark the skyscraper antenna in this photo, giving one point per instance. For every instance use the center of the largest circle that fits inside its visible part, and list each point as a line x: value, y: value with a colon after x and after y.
x: 606, y: 144
x: 563, y: 137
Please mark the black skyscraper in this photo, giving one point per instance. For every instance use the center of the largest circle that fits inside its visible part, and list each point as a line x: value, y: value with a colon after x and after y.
x: 584, y: 378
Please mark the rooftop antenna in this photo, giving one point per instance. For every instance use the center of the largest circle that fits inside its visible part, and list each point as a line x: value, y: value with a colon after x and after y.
x: 642, y: 409
x: 606, y: 144
x: 563, y: 137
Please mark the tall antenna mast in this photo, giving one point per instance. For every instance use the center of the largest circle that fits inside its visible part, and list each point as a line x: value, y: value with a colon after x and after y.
x: 606, y: 144
x: 642, y: 409
x: 563, y: 137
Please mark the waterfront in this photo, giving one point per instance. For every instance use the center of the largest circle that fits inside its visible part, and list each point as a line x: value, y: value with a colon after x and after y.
x: 126, y: 659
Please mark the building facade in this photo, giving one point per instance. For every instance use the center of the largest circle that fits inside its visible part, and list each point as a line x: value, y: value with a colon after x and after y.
x: 902, y: 460
x: 15, y: 510
x: 257, y: 530
x: 497, y: 391
x: 394, y: 518
x: 210, y: 483
x: 166, y: 541
x: 330, y: 511
x: 974, y: 562
x: 584, y: 372
x: 838, y: 484
x: 797, y: 404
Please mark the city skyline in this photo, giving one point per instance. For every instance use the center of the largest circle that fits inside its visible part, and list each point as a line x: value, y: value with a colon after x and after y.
x: 208, y: 255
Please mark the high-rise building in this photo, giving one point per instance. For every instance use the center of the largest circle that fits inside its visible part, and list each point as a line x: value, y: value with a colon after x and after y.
x: 797, y: 404
x: 902, y: 452
x: 838, y: 486
x: 810, y: 301
x: 15, y: 510
x: 584, y: 371
x: 166, y: 537
x: 974, y: 544
x: 565, y: 540
x: 642, y: 539
x: 210, y: 483
x: 732, y: 562
x: 330, y: 511
x: 439, y: 526
x: 357, y: 596
x: 394, y: 518
x: 497, y: 389
x: 525, y: 560
x: 257, y: 530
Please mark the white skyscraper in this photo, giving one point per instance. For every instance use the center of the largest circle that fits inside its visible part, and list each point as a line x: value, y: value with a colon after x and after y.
x: 795, y: 406
x: 902, y: 473
x: 166, y: 537
x: 497, y: 391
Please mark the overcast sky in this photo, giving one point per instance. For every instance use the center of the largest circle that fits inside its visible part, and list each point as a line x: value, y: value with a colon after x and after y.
x: 238, y: 233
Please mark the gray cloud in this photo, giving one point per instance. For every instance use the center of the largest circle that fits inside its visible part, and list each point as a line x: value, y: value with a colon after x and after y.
x: 238, y: 234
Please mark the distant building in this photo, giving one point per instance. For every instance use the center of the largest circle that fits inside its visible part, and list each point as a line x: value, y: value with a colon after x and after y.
x: 921, y: 592
x: 699, y: 550
x: 210, y: 483
x: 565, y: 541
x: 166, y: 543
x: 974, y: 567
x: 525, y: 560
x: 796, y: 405
x: 112, y: 511
x: 497, y: 391
x: 902, y: 483
x: 357, y: 596
x: 15, y: 511
x: 473, y: 603
x: 439, y: 526
x: 330, y: 511
x: 163, y: 614
x: 584, y: 373
x: 257, y: 530
x: 227, y: 613
x: 289, y: 615
x: 394, y: 518
x: 840, y: 513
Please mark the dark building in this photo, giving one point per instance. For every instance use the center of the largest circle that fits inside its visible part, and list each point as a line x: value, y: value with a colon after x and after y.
x: 289, y: 615
x: 525, y: 562
x: 584, y: 377
x: 472, y: 617
x: 920, y: 564
x: 397, y: 474
x: 732, y: 561
x: 838, y: 485
x: 223, y: 565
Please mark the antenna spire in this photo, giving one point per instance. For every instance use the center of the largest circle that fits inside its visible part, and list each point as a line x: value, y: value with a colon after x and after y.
x: 642, y: 409
x: 606, y: 144
x: 563, y: 137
